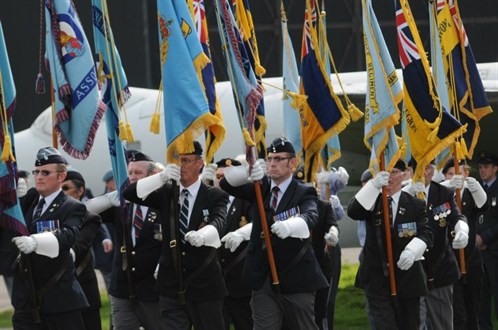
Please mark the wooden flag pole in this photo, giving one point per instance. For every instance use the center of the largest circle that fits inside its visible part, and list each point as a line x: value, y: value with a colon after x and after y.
x: 387, y: 228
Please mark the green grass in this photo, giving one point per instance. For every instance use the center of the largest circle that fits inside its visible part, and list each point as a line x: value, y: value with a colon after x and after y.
x: 349, y: 314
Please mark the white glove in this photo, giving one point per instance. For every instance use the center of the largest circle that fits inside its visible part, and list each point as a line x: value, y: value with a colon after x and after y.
x: 406, y: 260
x: 413, y: 251
x: 232, y: 240
x: 472, y: 184
x: 381, y: 179
x: 477, y: 191
x: 332, y: 236
x: 113, y: 197
x: 170, y: 172
x: 457, y: 181
x: 335, y: 201
x: 257, y: 172
x: 194, y: 238
x: 414, y: 188
x: 22, y: 188
x: 209, y: 172
x: 461, y: 235
x: 294, y: 227
x: 323, y: 177
x: 263, y: 165
x: 25, y: 244
x: 342, y: 175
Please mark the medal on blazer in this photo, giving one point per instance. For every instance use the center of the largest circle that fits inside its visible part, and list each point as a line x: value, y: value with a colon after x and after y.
x: 407, y: 229
x: 152, y: 216
x: 47, y: 226
x: 158, y: 232
x: 493, y: 201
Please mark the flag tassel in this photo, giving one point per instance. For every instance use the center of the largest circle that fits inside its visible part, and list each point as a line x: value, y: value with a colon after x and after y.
x: 40, y: 84
x: 7, y: 150
x: 354, y: 112
x: 154, y: 123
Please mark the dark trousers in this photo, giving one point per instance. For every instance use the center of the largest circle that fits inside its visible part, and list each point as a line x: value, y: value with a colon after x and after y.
x: 23, y: 320
x: 489, y: 290
x: 203, y: 315
x: 237, y: 310
x: 406, y: 316
x: 466, y: 298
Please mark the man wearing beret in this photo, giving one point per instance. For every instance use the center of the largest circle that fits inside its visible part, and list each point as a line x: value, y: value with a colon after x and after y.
x: 236, y: 307
x: 410, y: 236
x: 133, y: 295
x: 466, y: 290
x: 189, y: 246
x: 487, y: 239
x: 291, y: 212
x: 46, y: 294
x: 74, y: 186
x: 440, y: 263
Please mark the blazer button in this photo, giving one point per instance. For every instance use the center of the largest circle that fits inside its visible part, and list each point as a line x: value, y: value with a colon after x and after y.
x: 184, y: 253
x: 133, y: 269
x: 133, y: 253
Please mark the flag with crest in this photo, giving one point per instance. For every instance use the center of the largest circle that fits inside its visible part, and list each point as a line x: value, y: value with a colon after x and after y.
x: 450, y: 44
x: 114, y: 87
x: 215, y: 133
x: 247, y: 92
x: 186, y: 108
x: 383, y: 94
x: 322, y: 115
x: 10, y: 211
x: 243, y: 18
x: 78, y: 106
x: 431, y: 129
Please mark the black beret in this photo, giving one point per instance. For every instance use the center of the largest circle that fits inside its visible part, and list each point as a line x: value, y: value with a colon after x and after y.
x: 281, y: 144
x: 23, y: 173
x: 451, y: 163
x: 365, y: 176
x: 487, y: 158
x: 74, y: 175
x: 400, y: 165
x: 197, y: 150
x: 226, y: 162
x: 49, y: 155
x: 137, y: 156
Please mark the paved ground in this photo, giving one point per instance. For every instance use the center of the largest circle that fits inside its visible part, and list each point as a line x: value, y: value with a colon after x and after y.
x: 349, y: 255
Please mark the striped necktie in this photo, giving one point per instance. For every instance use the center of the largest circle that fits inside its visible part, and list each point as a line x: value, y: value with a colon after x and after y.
x: 39, y: 209
x: 274, y: 197
x: 184, y: 215
x: 138, y: 221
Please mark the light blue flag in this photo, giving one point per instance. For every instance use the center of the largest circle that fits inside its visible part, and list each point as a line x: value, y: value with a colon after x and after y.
x: 114, y: 90
x: 384, y: 93
x: 78, y: 106
x: 290, y: 75
x: 247, y: 93
x: 10, y: 211
x: 186, y: 109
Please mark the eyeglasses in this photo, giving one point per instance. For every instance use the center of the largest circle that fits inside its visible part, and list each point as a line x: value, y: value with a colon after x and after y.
x: 186, y: 161
x: 43, y: 172
x: 394, y: 172
x: 66, y: 188
x: 276, y: 159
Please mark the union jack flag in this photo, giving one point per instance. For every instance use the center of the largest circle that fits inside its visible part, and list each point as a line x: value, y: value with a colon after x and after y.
x: 408, y: 51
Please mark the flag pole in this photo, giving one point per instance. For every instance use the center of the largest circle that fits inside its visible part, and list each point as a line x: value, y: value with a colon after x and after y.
x: 387, y: 228
x: 266, y: 233
x: 461, y: 252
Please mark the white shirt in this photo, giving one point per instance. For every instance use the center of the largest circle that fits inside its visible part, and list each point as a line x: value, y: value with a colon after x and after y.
x: 193, y: 189
x: 282, y: 186
x: 48, y: 201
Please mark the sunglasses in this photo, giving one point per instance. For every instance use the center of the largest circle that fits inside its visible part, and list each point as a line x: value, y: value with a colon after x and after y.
x: 66, y: 188
x: 43, y: 172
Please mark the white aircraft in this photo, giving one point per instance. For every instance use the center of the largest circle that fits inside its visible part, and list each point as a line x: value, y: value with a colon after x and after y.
x: 141, y: 105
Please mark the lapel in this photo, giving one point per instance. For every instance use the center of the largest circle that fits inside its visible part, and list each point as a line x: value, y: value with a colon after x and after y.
x: 54, y: 206
x: 400, y: 212
x: 197, y: 211
x: 287, y: 197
